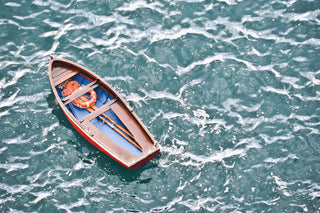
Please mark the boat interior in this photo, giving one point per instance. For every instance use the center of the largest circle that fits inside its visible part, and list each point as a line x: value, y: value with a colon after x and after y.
x: 106, y: 103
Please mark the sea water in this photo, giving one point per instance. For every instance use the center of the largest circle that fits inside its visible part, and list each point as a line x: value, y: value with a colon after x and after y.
x: 230, y: 89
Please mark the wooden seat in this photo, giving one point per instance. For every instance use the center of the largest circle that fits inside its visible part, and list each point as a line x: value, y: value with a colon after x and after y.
x: 80, y: 92
x: 99, y: 111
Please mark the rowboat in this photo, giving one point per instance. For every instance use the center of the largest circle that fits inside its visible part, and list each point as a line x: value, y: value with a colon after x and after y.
x: 99, y: 113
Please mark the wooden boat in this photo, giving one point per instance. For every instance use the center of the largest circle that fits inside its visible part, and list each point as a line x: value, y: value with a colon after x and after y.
x: 110, y: 123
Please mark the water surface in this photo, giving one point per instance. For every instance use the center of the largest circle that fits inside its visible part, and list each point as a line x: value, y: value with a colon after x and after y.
x: 230, y: 89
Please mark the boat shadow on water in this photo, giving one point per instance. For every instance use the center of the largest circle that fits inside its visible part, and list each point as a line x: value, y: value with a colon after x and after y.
x: 94, y: 156
x: 53, y: 104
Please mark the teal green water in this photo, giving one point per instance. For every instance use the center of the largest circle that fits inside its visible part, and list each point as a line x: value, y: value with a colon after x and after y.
x: 229, y: 88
